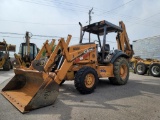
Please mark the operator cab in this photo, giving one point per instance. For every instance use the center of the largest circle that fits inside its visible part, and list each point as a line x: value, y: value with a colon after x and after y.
x: 101, y: 28
x: 23, y: 51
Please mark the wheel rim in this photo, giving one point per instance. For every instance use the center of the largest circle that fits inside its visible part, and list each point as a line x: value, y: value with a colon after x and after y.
x: 139, y: 68
x: 155, y: 70
x: 123, y: 71
x: 89, y: 80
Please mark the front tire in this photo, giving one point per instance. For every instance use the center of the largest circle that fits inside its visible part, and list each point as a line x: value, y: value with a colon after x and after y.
x: 7, y: 65
x: 11, y: 65
x: 121, y: 72
x: 86, y: 80
x: 154, y: 70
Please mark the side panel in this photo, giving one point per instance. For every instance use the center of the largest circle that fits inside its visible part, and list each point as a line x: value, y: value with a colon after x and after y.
x: 105, y: 71
x: 102, y: 71
x: 83, y: 53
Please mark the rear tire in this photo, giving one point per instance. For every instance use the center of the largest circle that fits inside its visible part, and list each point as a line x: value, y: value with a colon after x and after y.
x: 141, y: 68
x: 7, y: 65
x: 154, y: 70
x: 121, y: 72
x: 86, y: 80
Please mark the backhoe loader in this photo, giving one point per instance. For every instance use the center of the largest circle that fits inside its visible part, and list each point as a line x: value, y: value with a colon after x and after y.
x: 27, y: 52
x: 5, y: 61
x: 38, y: 85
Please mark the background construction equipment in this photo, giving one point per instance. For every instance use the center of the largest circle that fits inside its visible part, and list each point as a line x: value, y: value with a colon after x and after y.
x: 5, y: 61
x: 27, y: 52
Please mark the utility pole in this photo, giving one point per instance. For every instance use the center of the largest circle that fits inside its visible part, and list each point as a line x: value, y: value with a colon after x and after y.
x: 90, y: 18
x: 27, y: 43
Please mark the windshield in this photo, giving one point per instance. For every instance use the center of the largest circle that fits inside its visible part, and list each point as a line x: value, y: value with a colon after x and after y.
x: 23, y: 50
x: 1, y: 53
x: 32, y: 53
x: 2, y: 50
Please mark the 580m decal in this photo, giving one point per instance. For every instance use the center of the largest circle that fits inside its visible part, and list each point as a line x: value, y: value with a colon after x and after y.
x: 83, y: 55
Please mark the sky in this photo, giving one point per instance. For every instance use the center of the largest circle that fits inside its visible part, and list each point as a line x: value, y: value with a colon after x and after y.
x: 58, y: 18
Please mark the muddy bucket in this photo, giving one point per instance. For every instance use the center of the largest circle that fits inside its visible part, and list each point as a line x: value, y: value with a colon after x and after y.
x: 29, y: 90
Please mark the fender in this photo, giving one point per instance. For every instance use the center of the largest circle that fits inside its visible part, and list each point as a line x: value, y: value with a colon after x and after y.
x: 118, y: 53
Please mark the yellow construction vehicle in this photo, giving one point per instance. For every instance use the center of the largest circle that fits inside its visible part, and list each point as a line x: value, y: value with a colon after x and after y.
x: 5, y: 62
x: 141, y: 66
x: 27, y: 52
x: 38, y: 85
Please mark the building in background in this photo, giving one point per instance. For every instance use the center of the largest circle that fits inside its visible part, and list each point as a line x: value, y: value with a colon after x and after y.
x: 147, y: 47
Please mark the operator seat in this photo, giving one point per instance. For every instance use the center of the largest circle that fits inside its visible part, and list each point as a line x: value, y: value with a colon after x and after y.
x: 106, y: 52
x: 106, y: 49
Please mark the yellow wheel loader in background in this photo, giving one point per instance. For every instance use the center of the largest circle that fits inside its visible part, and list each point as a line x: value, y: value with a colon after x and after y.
x: 38, y: 85
x: 27, y: 52
x: 5, y: 61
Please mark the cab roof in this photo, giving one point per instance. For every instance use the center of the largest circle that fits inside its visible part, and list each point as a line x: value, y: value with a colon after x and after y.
x: 98, y: 28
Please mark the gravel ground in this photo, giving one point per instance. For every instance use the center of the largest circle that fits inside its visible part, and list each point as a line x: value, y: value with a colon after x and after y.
x: 139, y: 99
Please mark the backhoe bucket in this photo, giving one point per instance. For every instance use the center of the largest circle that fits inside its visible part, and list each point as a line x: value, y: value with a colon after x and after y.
x: 29, y: 90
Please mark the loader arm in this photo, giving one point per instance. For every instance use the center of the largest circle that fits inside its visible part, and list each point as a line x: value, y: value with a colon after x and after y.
x: 69, y: 59
x: 48, y: 49
x: 61, y: 44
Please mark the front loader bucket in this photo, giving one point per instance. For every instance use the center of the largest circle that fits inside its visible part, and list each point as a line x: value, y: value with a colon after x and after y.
x: 29, y: 90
